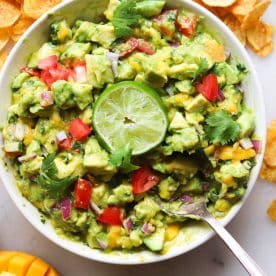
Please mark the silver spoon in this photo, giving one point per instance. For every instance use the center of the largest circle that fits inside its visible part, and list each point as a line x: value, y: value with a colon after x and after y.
x: 198, y: 210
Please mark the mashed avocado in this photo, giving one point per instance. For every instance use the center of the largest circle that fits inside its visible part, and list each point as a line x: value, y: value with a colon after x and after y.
x: 104, y: 197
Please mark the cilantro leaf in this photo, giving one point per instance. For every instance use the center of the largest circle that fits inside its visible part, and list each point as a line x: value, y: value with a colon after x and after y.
x: 47, y: 178
x: 124, y: 18
x: 121, y: 158
x: 221, y: 128
x: 202, y: 67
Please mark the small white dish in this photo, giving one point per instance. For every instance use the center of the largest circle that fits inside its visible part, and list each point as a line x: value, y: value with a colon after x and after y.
x: 38, y: 33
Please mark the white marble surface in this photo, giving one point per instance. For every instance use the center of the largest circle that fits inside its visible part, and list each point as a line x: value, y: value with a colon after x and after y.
x: 251, y: 227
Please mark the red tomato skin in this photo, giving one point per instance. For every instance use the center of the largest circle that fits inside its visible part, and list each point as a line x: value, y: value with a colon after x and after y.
x: 187, y: 25
x: 209, y: 87
x: 66, y: 144
x: 112, y: 216
x: 143, y: 180
x: 82, y: 193
x: 133, y: 44
x: 48, y: 63
x: 145, y: 47
x: 49, y: 76
x: 79, y: 130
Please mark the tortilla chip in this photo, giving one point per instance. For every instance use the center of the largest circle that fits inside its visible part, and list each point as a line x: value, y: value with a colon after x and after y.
x: 36, y: 8
x: 234, y: 24
x: 260, y: 35
x: 4, y: 37
x: 270, y: 153
x: 3, y: 57
x: 219, y: 3
x: 253, y: 17
x: 268, y: 173
x: 265, y: 51
x: 242, y: 7
x: 20, y: 27
x: 271, y: 211
x: 9, y: 14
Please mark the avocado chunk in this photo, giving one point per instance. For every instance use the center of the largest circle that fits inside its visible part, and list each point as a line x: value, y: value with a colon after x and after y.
x: 103, y: 34
x: 193, y: 186
x: 246, y: 122
x: 76, y: 51
x: 99, y: 70
x: 155, y: 242
x: 167, y: 187
x: 60, y: 32
x: 122, y: 194
x: 19, y: 80
x: 150, y: 8
x: 198, y: 104
x: 180, y: 141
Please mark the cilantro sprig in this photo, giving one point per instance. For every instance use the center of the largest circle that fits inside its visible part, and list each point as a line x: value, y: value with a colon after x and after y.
x: 48, y: 178
x: 221, y: 128
x: 124, y: 18
x: 121, y: 158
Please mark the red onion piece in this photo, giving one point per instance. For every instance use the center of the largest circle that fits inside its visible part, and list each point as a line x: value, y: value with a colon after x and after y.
x: 221, y: 96
x: 128, y: 224
x: 19, y: 132
x: 257, y: 145
x: 80, y: 73
x: 46, y: 99
x: 95, y: 208
x: 114, y: 59
x: 27, y: 157
x: 246, y: 143
x: 186, y: 198
x: 175, y: 44
x: 61, y: 136
x: 65, y: 207
x: 205, y: 186
x: 103, y: 244
x: 147, y: 228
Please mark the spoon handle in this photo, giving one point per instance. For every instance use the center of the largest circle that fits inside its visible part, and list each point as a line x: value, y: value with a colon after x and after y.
x: 248, y: 263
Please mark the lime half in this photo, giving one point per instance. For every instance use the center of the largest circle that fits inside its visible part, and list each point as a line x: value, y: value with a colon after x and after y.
x: 130, y: 113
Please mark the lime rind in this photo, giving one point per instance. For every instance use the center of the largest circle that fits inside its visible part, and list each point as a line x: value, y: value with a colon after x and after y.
x: 130, y: 113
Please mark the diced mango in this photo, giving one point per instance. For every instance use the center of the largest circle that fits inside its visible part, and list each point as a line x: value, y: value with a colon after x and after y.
x: 20, y: 263
x: 5, y: 256
x: 230, y: 153
x: 51, y: 272
x: 210, y: 150
x: 28, y: 138
x: 228, y: 180
x: 172, y: 231
x: 113, y: 236
x: 222, y: 205
x: 37, y: 268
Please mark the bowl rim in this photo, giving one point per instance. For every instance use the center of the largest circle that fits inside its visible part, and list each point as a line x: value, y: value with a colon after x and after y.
x: 99, y: 257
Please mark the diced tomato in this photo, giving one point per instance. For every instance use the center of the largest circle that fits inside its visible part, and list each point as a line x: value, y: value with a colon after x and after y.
x: 31, y: 71
x: 49, y: 76
x: 145, y: 47
x: 66, y: 144
x: 143, y: 180
x: 165, y: 22
x: 79, y: 130
x: 111, y: 215
x: 82, y: 194
x: 48, y: 63
x: 187, y: 25
x: 131, y: 46
x: 209, y: 87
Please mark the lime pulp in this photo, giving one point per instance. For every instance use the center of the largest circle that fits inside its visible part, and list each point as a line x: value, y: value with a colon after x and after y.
x: 130, y: 113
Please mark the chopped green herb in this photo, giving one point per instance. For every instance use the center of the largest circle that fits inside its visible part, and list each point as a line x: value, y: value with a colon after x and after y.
x: 121, y: 158
x: 124, y: 18
x: 221, y: 128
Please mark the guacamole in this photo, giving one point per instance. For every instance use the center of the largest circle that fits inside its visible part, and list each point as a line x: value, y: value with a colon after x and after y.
x: 105, y: 197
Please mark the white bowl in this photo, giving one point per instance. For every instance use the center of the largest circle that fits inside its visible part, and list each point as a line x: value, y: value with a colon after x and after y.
x: 196, y: 234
